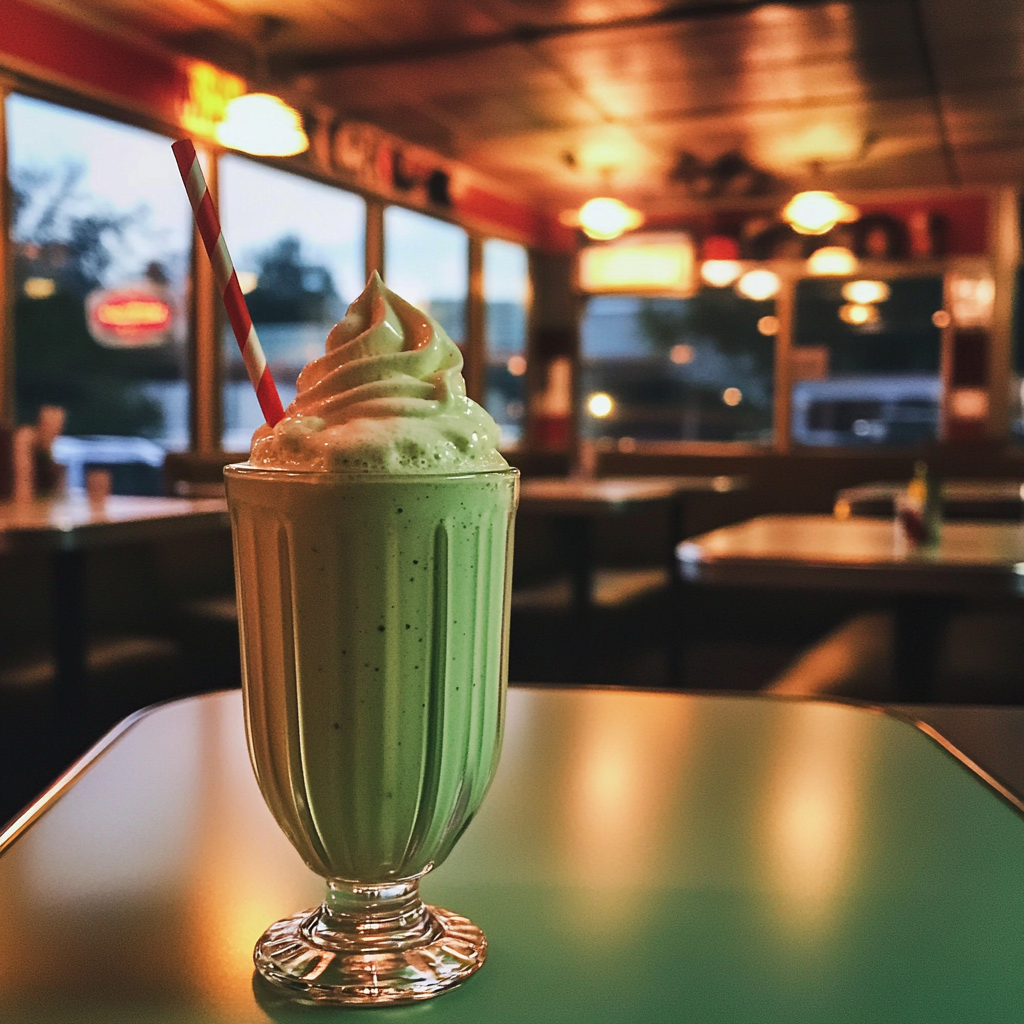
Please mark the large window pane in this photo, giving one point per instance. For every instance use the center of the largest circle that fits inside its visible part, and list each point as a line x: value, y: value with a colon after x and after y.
x: 298, y: 247
x: 866, y: 372
x: 427, y: 263
x: 99, y: 206
x: 506, y: 294
x: 697, y: 369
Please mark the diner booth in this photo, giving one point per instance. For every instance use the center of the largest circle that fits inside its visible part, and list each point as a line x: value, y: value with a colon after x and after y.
x: 740, y: 285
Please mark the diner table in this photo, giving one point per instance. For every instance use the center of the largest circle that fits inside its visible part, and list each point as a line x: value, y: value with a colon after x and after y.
x: 66, y: 527
x: 961, y: 499
x: 641, y: 857
x: 577, y: 501
x: 970, y: 560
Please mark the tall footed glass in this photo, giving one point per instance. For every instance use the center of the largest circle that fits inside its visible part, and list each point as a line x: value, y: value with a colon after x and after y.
x: 373, y: 613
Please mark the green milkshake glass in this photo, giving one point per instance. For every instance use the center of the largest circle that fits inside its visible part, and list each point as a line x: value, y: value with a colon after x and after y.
x: 373, y: 612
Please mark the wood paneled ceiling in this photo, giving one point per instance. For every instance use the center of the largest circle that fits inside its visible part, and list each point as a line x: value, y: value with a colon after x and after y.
x: 665, y: 103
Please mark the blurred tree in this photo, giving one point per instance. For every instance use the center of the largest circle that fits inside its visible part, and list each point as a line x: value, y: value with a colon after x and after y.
x: 57, y: 361
x: 290, y: 290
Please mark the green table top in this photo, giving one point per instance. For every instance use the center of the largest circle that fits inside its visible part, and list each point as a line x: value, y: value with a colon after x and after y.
x: 641, y: 857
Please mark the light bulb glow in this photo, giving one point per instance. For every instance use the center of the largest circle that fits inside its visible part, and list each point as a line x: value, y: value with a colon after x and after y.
x: 865, y: 291
x: 516, y: 365
x: 600, y: 405
x: 817, y: 212
x: 248, y: 280
x: 832, y: 261
x: 758, y: 285
x: 604, y: 219
x: 732, y: 396
x: 857, y: 313
x: 39, y: 287
x: 720, y: 273
x: 262, y: 125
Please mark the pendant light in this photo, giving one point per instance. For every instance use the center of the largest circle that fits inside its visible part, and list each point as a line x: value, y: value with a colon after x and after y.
x: 261, y: 124
x: 817, y: 212
x: 832, y: 261
x: 604, y: 218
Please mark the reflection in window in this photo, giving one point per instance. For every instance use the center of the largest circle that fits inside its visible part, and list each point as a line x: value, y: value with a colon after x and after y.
x: 101, y: 232
x: 697, y: 369
x: 427, y: 263
x: 866, y: 372
x: 298, y: 247
x: 506, y: 295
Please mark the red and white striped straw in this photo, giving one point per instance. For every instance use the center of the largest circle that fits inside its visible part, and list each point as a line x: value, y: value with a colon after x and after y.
x: 227, y: 280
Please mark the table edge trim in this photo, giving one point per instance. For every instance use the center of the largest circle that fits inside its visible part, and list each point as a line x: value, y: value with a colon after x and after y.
x: 20, y: 823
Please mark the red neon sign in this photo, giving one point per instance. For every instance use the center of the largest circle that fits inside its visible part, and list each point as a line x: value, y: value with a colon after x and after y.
x: 126, y: 314
x: 129, y: 317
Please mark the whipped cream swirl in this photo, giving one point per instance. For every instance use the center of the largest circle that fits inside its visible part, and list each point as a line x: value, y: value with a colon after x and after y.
x: 387, y: 397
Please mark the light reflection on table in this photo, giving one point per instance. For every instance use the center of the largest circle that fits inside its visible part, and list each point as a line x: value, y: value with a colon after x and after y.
x: 814, y: 792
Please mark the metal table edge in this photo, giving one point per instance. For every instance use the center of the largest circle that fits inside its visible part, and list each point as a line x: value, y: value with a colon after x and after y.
x: 20, y: 823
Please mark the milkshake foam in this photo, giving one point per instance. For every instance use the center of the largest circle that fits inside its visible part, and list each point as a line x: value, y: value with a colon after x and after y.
x: 387, y: 397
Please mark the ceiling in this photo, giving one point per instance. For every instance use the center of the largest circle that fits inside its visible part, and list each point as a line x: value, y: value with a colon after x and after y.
x: 667, y: 104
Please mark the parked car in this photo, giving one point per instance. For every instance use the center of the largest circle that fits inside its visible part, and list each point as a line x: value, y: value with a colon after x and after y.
x: 853, y: 410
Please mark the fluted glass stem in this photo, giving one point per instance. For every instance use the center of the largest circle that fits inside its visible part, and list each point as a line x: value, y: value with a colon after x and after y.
x: 371, y: 919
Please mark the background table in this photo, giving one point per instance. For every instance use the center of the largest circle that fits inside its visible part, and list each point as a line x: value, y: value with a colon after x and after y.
x: 67, y: 527
x: 641, y: 857
x: 961, y: 499
x: 820, y: 552
x: 576, y: 501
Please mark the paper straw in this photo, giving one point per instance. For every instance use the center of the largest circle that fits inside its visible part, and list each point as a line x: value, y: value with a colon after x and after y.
x: 227, y: 280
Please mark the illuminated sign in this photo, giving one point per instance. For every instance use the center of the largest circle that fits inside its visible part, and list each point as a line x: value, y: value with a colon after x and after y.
x: 653, y: 264
x: 131, y: 317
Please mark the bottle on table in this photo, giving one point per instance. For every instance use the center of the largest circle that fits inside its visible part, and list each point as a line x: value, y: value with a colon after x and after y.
x: 919, y: 508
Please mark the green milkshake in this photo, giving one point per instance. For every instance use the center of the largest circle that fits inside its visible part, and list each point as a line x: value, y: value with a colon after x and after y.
x: 373, y: 533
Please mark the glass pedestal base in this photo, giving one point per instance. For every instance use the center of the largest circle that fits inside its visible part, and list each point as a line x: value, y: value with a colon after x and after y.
x: 370, y: 945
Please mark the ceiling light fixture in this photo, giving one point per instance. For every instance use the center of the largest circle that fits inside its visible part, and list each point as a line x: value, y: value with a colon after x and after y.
x: 865, y: 291
x: 262, y: 125
x: 817, y: 212
x: 604, y: 218
x: 857, y: 314
x: 720, y: 273
x: 721, y: 266
x: 758, y: 285
x: 832, y: 261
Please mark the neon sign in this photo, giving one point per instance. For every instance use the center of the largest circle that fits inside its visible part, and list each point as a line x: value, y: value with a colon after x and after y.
x: 132, y: 317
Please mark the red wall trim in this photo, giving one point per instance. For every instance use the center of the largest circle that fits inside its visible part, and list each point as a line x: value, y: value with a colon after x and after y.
x: 92, y: 60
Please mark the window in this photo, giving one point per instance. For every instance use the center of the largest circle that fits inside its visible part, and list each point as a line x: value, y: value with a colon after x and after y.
x: 101, y: 232
x: 866, y: 372
x: 298, y: 248
x: 427, y: 263
x: 698, y: 369
x: 506, y: 295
